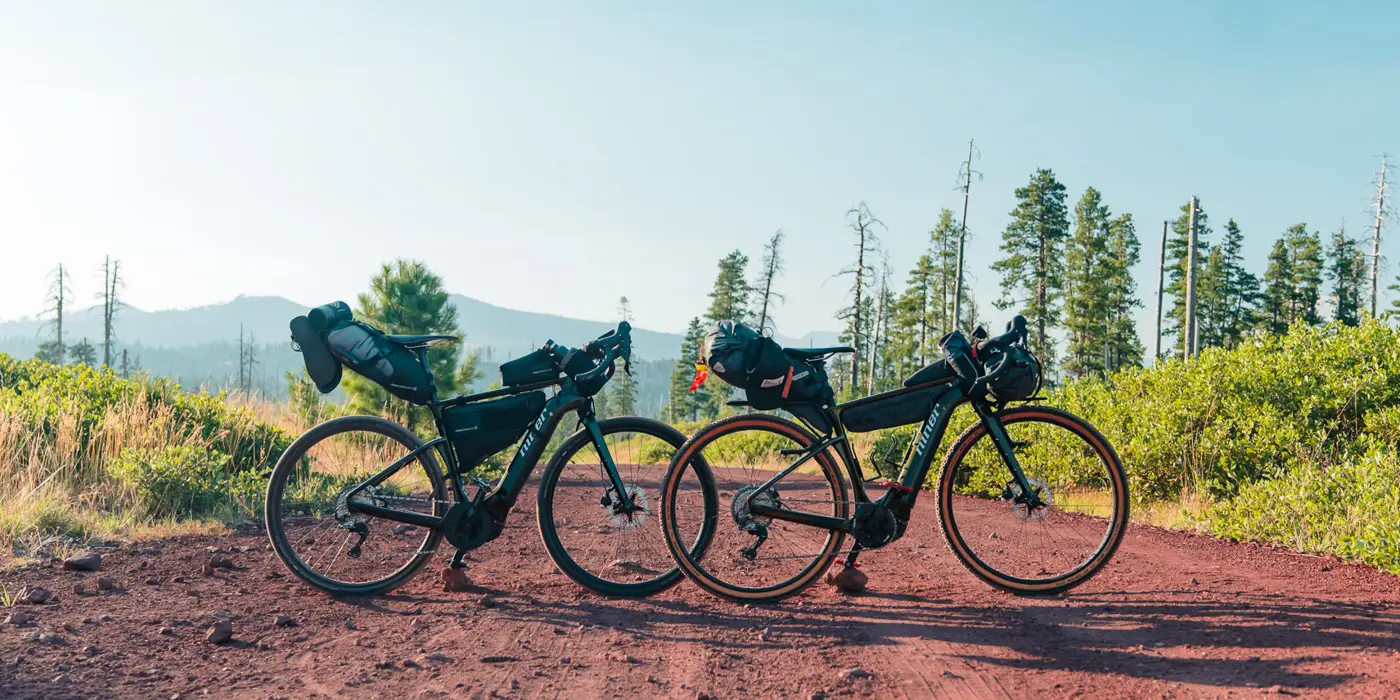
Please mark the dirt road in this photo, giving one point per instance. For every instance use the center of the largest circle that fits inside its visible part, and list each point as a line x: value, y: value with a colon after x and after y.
x: 1173, y: 616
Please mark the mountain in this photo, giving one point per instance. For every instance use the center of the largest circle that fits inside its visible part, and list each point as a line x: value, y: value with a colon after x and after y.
x: 199, y: 346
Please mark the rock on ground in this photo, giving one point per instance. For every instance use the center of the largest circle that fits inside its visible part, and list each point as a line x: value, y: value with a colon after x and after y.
x: 85, y: 561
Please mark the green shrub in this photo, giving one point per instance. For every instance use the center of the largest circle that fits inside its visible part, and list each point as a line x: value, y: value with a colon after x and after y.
x: 184, y: 481
x: 1231, y: 417
x: 1351, y: 509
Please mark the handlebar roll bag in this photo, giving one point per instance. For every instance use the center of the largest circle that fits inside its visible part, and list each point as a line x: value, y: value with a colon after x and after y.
x: 1020, y: 380
x: 371, y: 355
x: 537, y: 366
x: 479, y: 430
x: 321, y: 365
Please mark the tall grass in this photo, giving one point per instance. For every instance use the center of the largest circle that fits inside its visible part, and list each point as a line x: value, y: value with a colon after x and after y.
x: 79, y: 448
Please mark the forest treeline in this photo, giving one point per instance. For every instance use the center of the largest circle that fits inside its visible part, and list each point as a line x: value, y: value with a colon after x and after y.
x: 1069, y: 271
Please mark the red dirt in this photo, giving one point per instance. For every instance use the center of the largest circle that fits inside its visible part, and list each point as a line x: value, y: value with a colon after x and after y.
x: 1173, y: 615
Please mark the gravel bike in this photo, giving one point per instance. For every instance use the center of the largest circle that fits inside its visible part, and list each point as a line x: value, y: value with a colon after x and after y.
x: 358, y: 504
x: 1031, y: 499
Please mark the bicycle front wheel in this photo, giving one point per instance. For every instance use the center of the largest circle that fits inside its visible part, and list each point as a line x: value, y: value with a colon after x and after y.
x: 588, y: 536
x: 752, y: 558
x: 1049, y: 548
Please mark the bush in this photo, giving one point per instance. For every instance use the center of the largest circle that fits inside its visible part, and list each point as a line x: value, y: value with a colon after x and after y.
x: 1232, y: 417
x: 184, y: 481
x: 1351, y: 509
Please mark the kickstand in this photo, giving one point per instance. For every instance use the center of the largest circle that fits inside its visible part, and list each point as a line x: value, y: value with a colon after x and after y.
x: 851, y: 558
x: 457, y: 559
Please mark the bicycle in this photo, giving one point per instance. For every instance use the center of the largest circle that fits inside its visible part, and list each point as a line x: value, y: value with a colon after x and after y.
x: 1056, y: 479
x: 325, y: 501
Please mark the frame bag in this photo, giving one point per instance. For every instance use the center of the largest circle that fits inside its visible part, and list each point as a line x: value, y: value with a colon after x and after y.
x: 479, y: 430
x: 371, y: 355
x: 890, y: 410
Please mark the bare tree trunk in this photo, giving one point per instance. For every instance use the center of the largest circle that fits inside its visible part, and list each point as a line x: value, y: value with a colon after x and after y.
x: 1161, y: 274
x: 962, y: 238
x: 1376, y: 235
x: 1188, y: 324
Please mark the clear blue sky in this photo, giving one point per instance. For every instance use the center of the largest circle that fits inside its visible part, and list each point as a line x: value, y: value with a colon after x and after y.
x: 544, y: 156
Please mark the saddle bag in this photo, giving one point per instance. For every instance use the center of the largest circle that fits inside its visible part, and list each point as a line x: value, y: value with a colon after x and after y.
x: 481, y: 429
x: 371, y: 355
x: 769, y: 377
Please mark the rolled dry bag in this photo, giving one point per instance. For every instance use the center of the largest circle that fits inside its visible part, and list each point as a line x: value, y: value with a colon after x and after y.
x: 323, y: 317
x: 321, y: 365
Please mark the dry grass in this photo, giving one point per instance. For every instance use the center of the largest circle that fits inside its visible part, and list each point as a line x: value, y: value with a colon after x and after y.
x: 54, y: 490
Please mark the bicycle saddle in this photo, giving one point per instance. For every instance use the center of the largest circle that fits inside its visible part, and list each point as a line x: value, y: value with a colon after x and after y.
x: 808, y: 354
x: 421, y: 341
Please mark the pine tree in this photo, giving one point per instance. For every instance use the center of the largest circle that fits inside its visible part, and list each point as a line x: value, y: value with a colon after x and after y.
x: 912, y: 333
x: 1032, y: 267
x: 1346, y: 269
x: 943, y: 251
x: 1178, y: 257
x: 83, y: 353
x: 622, y: 393
x: 729, y: 299
x: 682, y: 404
x: 1239, y: 289
x: 1087, y: 270
x: 1211, y: 288
x: 1124, y: 347
x: 468, y: 372
x: 406, y: 298
x: 1306, y: 250
x: 50, y: 351
x: 1276, y: 311
x: 772, y: 267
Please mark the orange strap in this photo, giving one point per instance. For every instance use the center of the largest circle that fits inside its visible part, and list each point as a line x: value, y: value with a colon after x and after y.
x: 787, y: 384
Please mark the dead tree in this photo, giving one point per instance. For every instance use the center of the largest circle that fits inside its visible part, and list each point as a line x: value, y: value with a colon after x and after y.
x: 862, y: 224
x: 1383, y: 210
x: 966, y: 176
x: 772, y: 267
x: 111, y: 301
x: 59, y: 296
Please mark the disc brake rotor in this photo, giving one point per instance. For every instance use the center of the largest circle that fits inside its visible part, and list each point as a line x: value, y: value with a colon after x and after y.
x: 624, y: 520
x: 1043, y: 493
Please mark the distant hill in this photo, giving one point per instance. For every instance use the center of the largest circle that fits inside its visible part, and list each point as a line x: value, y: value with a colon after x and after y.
x: 198, y: 346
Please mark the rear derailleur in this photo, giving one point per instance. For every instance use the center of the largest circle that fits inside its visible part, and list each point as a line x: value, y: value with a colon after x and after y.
x: 741, y: 509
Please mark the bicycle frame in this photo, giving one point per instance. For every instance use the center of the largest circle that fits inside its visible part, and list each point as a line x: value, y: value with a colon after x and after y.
x: 527, y: 455
x: 912, y: 474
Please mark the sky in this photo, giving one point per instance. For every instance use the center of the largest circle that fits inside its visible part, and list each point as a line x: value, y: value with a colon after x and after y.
x: 555, y: 156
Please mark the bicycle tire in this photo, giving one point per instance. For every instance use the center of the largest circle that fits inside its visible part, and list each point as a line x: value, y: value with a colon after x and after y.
x: 689, y: 563
x: 544, y: 509
x: 288, y: 461
x: 1014, y: 584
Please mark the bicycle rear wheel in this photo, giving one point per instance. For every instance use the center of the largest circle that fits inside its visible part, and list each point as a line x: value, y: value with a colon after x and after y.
x: 1048, y: 549
x: 312, y: 530
x: 752, y: 558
